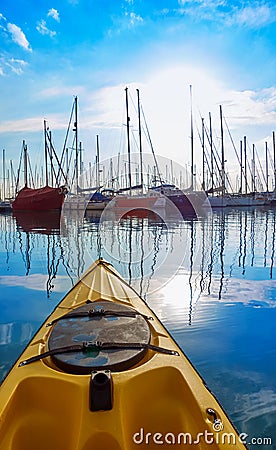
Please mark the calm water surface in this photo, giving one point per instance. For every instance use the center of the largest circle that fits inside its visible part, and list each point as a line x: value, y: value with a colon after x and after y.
x: 211, y: 280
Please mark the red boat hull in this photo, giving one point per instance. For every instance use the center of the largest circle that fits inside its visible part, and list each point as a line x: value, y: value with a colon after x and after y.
x: 42, y: 199
x: 138, y: 201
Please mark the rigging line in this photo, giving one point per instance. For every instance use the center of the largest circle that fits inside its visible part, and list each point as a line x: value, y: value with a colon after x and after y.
x: 66, y: 138
x: 249, y: 167
x: 30, y: 168
x: 215, y: 154
x: 57, y: 160
x: 19, y: 168
x: 261, y: 186
x: 208, y: 165
x: 260, y: 165
x: 152, y: 149
x: 238, y: 158
x: 270, y: 158
x: 205, y: 148
x: 237, y: 155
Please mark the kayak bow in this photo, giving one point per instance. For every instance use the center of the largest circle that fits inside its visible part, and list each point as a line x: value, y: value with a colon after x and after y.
x: 102, y: 373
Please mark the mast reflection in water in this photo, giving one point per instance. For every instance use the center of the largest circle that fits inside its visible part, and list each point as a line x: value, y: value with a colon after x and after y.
x: 210, y: 280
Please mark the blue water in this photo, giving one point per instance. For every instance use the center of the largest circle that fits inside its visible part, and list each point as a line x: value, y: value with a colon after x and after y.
x: 211, y: 280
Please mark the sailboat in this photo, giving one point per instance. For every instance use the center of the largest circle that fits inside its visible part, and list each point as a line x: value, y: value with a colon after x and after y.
x: 40, y: 199
x: 245, y: 197
x: 187, y: 201
x: 149, y: 200
x: 5, y: 205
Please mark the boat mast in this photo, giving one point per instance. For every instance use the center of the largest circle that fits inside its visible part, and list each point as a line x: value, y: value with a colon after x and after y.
x: 245, y: 164
x: 274, y: 159
x: 266, y: 166
x: 203, y: 155
x: 97, y: 162
x: 192, y: 141
x: 241, y: 171
x: 46, y: 153
x: 222, y: 153
x: 12, y: 179
x: 128, y: 141
x: 253, y: 169
x: 67, y: 164
x: 8, y: 184
x: 111, y: 173
x: 25, y: 164
x: 51, y: 158
x: 140, y: 140
x: 76, y: 142
x: 81, y: 164
x: 4, y: 176
x: 212, y: 155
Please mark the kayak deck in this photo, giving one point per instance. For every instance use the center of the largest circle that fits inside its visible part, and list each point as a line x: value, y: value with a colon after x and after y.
x: 159, y: 399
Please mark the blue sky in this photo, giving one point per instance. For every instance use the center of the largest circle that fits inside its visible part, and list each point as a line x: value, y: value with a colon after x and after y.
x: 52, y: 51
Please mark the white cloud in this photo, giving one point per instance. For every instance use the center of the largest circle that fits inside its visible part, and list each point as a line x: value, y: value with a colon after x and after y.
x: 29, y: 124
x: 125, y: 22
x: 16, y: 65
x: 250, y: 107
x: 54, y: 14
x: 249, y: 14
x: 35, y: 282
x: 165, y: 100
x: 252, y: 16
x: 18, y: 36
x: 166, y: 103
x: 133, y: 19
x: 43, y: 29
x: 210, y: 4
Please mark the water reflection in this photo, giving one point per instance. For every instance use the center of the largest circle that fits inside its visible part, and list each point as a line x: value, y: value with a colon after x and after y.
x: 42, y: 222
x: 216, y: 252
x: 227, y: 256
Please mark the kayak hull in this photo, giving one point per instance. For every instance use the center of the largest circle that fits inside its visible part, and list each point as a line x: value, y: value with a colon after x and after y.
x: 161, y: 399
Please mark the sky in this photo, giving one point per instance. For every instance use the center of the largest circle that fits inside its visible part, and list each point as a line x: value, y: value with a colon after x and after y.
x: 184, y: 56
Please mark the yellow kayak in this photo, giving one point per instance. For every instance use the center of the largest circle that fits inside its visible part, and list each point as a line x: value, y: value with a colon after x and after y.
x: 103, y: 373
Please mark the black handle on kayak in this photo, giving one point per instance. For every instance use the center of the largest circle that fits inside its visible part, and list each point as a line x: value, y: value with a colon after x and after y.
x: 97, y: 345
x: 99, y: 313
